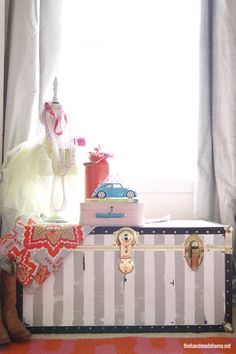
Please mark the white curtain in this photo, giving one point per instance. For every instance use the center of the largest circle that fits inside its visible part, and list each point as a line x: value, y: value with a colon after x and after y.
x: 2, y: 46
x: 32, y: 56
x: 216, y: 182
x: 32, y: 48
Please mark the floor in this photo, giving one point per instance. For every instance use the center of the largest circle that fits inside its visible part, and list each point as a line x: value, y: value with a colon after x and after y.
x: 112, y: 335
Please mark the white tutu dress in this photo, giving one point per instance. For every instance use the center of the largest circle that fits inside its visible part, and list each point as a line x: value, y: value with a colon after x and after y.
x: 43, y: 179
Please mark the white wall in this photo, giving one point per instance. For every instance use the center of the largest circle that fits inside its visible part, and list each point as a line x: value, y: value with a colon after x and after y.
x: 165, y: 196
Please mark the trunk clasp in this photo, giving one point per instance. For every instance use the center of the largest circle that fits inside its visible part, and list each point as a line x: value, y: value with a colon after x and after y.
x: 126, y: 238
x: 194, y: 251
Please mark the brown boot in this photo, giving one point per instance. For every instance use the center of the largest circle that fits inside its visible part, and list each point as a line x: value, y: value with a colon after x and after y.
x: 4, y: 337
x: 14, y: 326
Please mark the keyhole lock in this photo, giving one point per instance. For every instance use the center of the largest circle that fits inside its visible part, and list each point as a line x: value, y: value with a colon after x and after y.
x: 194, y: 251
x: 126, y: 238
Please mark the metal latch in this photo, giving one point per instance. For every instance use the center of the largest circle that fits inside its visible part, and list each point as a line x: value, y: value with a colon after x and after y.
x: 194, y: 251
x: 126, y: 238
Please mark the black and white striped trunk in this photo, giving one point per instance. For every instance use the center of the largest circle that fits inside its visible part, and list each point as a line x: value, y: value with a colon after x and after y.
x: 89, y: 292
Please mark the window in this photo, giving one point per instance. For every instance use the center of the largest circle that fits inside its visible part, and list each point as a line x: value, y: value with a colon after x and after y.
x: 129, y: 81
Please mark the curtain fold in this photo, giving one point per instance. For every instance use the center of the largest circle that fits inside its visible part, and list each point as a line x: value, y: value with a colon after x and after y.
x: 215, y: 195
x: 33, y: 48
x: 22, y: 71
x: 49, y: 46
x: 31, y: 62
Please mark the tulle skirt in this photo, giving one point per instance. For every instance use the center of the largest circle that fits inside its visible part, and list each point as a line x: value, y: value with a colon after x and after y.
x: 27, y: 184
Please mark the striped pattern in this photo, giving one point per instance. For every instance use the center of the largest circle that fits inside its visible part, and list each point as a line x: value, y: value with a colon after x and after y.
x: 89, y: 290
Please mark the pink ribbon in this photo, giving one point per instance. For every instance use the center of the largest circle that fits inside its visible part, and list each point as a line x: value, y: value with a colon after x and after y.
x: 57, y: 120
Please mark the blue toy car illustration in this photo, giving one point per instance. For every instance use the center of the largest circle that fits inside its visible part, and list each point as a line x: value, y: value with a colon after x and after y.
x: 113, y: 190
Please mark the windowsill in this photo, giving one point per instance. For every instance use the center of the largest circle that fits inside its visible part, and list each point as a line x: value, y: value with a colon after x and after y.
x: 160, y: 185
